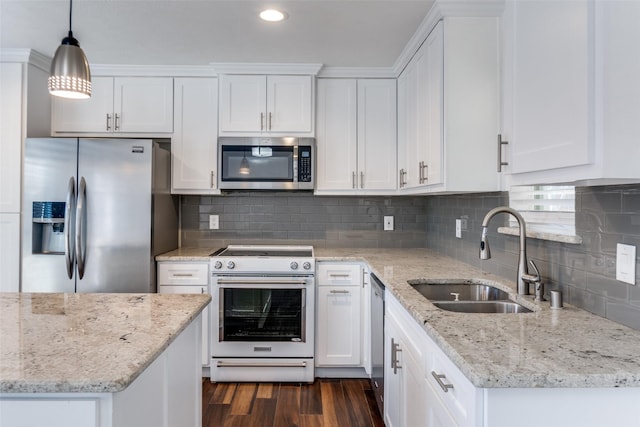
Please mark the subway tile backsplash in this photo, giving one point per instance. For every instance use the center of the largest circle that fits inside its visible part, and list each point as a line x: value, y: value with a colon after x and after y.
x: 585, y: 273
x: 301, y: 218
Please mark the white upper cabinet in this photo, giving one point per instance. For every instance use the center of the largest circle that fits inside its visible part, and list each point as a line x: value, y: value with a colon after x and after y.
x: 448, y: 107
x: 122, y: 105
x: 275, y: 105
x: 356, y: 136
x: 194, y: 142
x: 571, y: 102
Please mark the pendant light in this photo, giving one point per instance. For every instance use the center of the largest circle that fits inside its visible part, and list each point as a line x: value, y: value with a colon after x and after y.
x: 70, y: 76
x: 244, y: 165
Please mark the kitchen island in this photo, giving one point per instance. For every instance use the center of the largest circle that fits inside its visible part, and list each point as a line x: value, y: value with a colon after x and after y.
x: 550, y: 362
x: 100, y: 359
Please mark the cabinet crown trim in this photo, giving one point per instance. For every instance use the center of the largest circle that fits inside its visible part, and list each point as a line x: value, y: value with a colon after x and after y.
x: 265, y: 68
x: 29, y: 56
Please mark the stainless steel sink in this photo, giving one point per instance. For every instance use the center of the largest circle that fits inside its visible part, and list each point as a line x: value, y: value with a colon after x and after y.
x: 465, y: 291
x: 467, y: 296
x: 482, y: 306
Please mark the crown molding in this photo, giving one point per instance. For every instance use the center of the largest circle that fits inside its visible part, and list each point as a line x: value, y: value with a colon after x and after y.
x: 266, y: 68
x: 27, y: 56
x: 357, y: 72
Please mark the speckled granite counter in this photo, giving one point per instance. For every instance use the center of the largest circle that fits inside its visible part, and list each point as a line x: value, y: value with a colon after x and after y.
x: 51, y: 343
x: 547, y: 348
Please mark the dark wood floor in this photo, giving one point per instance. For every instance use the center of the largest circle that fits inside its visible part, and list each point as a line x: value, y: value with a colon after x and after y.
x: 325, y: 403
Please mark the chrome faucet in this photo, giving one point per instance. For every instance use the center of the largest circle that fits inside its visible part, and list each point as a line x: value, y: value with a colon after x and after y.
x: 523, y: 276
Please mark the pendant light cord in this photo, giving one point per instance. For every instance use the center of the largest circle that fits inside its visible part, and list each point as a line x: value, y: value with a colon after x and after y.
x: 70, y: 10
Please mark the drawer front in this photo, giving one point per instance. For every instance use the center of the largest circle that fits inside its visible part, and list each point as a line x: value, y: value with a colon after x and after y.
x: 338, y: 274
x: 460, y: 395
x: 183, y: 273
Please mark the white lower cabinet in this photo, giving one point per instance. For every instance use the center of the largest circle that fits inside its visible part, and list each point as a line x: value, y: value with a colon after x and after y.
x: 188, y: 278
x: 413, y: 396
x: 339, y: 325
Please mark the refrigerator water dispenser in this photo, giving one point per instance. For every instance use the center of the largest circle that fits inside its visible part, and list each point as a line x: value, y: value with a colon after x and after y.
x: 48, y: 228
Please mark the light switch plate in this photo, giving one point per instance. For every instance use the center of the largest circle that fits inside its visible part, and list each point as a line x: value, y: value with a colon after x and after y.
x: 626, y: 263
x: 459, y: 228
x: 388, y: 223
x: 214, y: 222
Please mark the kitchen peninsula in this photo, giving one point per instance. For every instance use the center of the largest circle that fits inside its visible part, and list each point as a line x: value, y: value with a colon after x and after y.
x: 100, y: 359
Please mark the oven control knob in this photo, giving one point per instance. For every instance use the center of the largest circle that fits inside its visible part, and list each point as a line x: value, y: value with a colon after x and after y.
x: 306, y: 265
x: 231, y: 265
x: 294, y: 265
x: 217, y: 265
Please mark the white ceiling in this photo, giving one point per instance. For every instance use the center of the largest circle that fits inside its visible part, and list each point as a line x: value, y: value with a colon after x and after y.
x: 343, y: 33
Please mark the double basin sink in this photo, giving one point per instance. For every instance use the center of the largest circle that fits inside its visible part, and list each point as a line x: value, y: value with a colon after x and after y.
x: 467, y: 296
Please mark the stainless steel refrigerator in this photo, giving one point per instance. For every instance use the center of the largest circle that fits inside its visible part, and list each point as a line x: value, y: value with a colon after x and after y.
x: 95, y: 214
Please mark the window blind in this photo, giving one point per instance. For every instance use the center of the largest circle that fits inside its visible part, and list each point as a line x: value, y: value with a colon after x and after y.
x: 545, y: 208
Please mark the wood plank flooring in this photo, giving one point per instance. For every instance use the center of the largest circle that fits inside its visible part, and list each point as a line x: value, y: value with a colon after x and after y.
x: 325, y: 403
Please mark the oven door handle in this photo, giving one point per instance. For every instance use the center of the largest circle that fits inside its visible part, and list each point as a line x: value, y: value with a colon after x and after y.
x: 222, y: 364
x: 261, y: 282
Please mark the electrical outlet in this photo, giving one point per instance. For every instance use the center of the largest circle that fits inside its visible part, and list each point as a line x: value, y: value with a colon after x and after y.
x: 214, y: 222
x: 459, y: 228
x: 626, y: 263
x: 388, y: 223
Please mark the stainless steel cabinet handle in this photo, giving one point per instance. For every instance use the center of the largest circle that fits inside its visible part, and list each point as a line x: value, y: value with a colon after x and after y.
x: 182, y: 275
x: 117, y: 125
x: 213, y: 183
x: 223, y: 364
x: 420, y: 171
x: 336, y: 291
x: 108, y: 121
x: 261, y: 121
x: 403, y: 176
x: 69, y: 228
x: 269, y: 120
x: 339, y: 275
x: 439, y: 378
x: 395, y: 349
x: 353, y: 179
x: 500, y: 144
x: 81, y: 220
x: 361, y: 179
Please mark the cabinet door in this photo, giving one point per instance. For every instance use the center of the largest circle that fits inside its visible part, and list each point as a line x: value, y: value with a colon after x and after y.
x: 431, y: 108
x: 289, y: 102
x: 11, y: 107
x: 408, y: 124
x: 163, y: 289
x: 93, y: 115
x: 393, y: 374
x: 242, y: 104
x: 339, y: 337
x: 143, y: 105
x: 377, y: 134
x: 194, y: 142
x: 436, y: 413
x: 553, y: 89
x: 339, y: 315
x: 336, y: 134
x: 10, y: 252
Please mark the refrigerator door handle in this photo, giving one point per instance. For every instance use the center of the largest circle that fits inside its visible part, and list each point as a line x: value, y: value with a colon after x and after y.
x: 81, y: 222
x: 69, y: 231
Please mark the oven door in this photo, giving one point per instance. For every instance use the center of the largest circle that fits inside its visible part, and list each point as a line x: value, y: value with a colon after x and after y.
x: 263, y: 316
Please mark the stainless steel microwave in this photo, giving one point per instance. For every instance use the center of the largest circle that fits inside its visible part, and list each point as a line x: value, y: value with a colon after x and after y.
x: 264, y: 163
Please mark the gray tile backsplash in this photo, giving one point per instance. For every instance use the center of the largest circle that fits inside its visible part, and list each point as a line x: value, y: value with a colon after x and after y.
x: 301, y: 218
x: 585, y: 273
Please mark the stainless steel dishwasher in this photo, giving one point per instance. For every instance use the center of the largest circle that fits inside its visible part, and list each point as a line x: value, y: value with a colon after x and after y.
x: 377, y: 341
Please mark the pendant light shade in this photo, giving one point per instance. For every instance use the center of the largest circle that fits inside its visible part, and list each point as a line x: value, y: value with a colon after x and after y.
x: 70, y: 76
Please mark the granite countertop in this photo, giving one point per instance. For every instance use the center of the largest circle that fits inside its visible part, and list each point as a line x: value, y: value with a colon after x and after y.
x: 86, y: 343
x: 569, y: 347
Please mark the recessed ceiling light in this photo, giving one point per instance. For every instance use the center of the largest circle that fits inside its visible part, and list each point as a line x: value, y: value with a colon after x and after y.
x: 273, y: 15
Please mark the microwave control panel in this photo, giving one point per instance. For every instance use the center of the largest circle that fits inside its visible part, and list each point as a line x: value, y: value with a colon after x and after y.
x: 304, y: 163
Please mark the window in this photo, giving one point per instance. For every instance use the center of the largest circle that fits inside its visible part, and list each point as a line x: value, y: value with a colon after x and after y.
x: 547, y: 209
